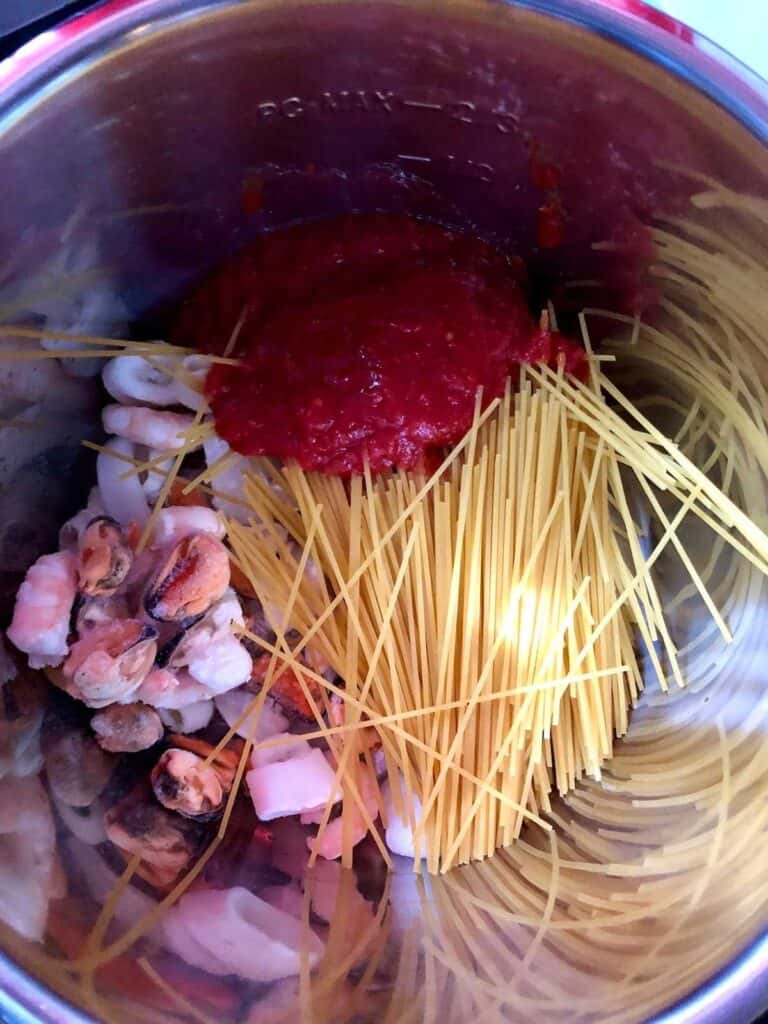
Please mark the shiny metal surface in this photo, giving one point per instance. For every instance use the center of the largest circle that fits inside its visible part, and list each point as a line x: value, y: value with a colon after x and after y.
x: 145, y: 140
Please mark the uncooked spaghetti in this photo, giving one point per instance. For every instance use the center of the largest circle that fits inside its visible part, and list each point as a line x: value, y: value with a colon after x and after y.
x: 498, y: 574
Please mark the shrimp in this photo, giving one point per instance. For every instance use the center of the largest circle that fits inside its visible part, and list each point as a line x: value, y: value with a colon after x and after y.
x: 110, y: 662
x: 27, y: 849
x: 43, y: 607
x: 123, y: 496
x: 193, y: 577
x: 175, y: 522
x: 181, y: 783
x: 127, y: 728
x: 167, y: 843
x: 104, y: 558
x: 142, y: 425
x: 231, y: 931
x: 134, y: 379
x: 22, y: 704
x: 170, y: 691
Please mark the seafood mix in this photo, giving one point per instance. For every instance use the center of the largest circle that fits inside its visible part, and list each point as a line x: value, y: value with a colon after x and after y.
x: 124, y: 666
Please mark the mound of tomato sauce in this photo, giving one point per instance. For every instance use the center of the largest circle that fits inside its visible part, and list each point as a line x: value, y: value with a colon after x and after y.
x: 363, y: 338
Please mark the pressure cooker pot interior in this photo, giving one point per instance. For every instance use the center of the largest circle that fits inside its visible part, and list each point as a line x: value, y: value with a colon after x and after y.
x: 164, y: 138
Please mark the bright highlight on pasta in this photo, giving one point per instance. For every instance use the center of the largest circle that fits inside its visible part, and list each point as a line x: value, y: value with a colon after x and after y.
x: 490, y: 576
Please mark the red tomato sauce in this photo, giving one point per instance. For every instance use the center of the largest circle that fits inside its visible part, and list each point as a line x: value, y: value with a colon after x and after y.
x: 365, y: 337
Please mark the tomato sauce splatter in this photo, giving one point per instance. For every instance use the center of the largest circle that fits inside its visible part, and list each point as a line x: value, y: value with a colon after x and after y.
x: 364, y: 338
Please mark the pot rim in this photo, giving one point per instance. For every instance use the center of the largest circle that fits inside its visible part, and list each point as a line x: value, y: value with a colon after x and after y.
x: 47, y: 62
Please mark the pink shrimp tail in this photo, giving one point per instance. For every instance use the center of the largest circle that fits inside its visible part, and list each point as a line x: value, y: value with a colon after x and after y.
x: 43, y: 606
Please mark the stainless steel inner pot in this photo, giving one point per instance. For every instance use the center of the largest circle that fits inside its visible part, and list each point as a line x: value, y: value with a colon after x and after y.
x: 143, y: 141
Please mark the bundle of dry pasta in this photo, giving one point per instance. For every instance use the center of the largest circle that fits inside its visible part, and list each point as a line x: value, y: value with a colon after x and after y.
x: 483, y: 619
